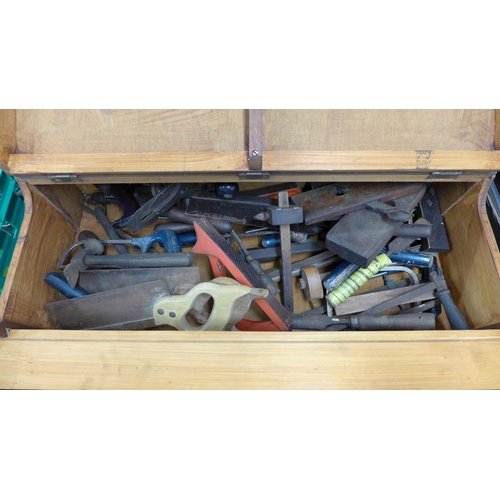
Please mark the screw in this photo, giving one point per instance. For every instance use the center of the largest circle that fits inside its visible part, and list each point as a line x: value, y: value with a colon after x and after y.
x: 255, y: 153
x: 171, y: 314
x: 160, y: 311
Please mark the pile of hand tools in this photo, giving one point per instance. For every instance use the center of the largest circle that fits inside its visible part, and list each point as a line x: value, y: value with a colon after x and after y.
x: 330, y: 256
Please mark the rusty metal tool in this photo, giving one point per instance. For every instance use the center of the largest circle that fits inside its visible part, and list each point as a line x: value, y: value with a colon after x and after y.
x: 78, y: 262
x: 425, y: 306
x: 90, y: 255
x: 283, y: 217
x: 334, y: 200
x: 150, y: 211
x: 176, y: 214
x: 429, y: 208
x: 255, y: 264
x: 359, y: 236
x: 240, y: 210
x: 456, y: 318
x: 272, y: 253
x: 421, y: 228
x: 150, y: 304
x: 121, y: 195
x: 108, y: 227
x: 402, y: 242
x: 414, y: 293
x: 100, y: 280
x: 415, y: 321
x: 319, y: 260
x: 223, y: 257
x: 364, y: 303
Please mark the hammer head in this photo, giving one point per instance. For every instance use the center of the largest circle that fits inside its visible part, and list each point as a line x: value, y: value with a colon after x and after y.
x: 77, y: 264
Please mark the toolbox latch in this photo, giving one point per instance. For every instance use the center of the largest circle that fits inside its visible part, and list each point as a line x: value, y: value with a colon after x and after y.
x: 63, y: 177
x: 448, y: 174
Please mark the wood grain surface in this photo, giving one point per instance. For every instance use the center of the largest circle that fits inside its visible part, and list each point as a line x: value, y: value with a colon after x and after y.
x: 7, y: 135
x: 376, y: 162
x: 43, y: 237
x: 347, y: 165
x: 121, y: 164
x: 230, y: 360
x: 472, y: 266
x: 69, y: 131
x: 378, y: 130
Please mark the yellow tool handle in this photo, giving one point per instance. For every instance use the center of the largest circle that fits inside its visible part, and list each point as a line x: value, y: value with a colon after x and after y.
x: 357, y: 280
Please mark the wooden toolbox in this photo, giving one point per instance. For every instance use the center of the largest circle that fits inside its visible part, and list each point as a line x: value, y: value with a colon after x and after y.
x: 56, y: 155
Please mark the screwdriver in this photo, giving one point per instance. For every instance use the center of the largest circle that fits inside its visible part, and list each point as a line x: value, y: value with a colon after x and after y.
x: 255, y: 265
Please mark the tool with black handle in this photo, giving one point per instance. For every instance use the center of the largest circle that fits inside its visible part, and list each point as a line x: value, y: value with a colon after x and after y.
x: 455, y: 317
x: 255, y: 265
x: 419, y: 321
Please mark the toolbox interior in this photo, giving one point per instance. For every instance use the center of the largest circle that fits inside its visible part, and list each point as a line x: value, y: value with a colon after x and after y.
x: 56, y: 154
x: 54, y: 217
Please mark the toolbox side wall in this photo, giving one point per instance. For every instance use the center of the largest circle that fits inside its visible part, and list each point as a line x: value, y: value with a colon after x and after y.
x: 44, y: 236
x: 239, y: 360
x: 472, y: 265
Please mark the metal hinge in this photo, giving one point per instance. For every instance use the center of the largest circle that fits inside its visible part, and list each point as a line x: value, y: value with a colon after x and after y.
x: 449, y: 174
x: 254, y: 175
x: 63, y: 177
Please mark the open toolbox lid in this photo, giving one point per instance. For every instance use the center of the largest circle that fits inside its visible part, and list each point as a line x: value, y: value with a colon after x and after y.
x: 90, y: 145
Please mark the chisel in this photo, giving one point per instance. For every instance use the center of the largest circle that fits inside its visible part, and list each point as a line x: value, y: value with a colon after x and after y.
x: 420, y: 321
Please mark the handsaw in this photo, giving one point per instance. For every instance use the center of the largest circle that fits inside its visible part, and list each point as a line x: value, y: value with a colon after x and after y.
x: 150, y: 304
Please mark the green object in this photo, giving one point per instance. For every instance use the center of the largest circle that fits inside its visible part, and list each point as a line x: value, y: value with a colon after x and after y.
x: 358, y: 279
x: 11, y: 218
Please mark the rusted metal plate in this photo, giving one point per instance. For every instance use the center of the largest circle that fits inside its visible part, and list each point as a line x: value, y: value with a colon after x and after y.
x: 359, y: 236
x: 100, y: 280
x: 334, y: 200
x: 128, y: 308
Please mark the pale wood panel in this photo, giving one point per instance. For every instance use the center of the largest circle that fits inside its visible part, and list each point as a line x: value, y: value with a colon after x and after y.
x: 204, y: 362
x: 450, y: 192
x: 68, y: 201
x: 174, y: 336
x: 352, y: 164
x: 7, y: 135
x: 472, y: 266
x: 234, y: 176
x: 43, y: 237
x: 497, y: 128
x: 121, y: 164
x: 373, y: 129
x: 381, y: 161
x: 130, y: 131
